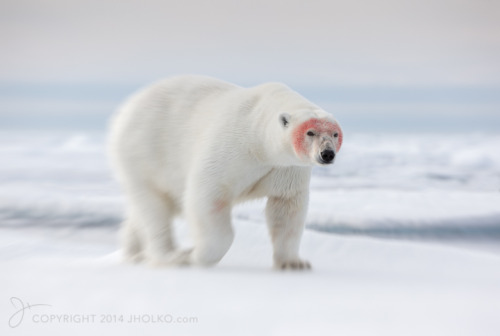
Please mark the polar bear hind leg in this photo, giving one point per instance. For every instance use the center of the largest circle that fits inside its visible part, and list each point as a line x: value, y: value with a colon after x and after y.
x: 147, y: 233
x: 131, y: 242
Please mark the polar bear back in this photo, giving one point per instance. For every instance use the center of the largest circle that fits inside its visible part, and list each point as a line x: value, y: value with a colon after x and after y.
x: 163, y: 132
x: 156, y: 132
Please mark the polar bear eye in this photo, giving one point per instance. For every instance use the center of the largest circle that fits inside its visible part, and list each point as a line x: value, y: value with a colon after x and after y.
x: 310, y: 133
x: 336, y: 135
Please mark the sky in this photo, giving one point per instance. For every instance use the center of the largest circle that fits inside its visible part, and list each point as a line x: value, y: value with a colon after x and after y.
x: 423, y: 65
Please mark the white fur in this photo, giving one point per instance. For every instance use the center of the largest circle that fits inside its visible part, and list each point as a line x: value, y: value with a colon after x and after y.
x: 196, y: 146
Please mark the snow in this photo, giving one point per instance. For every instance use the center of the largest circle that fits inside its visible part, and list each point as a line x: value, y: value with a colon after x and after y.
x: 433, y: 198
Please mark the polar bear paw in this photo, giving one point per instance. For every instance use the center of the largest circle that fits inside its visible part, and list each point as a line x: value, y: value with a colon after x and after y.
x: 134, y: 258
x: 296, y: 264
x: 172, y: 259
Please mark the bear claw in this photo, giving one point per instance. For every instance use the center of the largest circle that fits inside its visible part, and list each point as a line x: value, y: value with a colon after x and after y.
x: 294, y: 265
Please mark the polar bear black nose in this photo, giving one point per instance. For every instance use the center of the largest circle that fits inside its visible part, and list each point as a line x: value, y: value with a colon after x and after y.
x: 327, y: 155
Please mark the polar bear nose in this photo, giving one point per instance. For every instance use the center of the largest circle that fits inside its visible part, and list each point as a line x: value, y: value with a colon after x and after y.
x: 327, y: 155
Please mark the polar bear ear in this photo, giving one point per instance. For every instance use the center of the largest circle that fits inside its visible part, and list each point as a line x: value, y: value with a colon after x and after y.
x: 285, y: 119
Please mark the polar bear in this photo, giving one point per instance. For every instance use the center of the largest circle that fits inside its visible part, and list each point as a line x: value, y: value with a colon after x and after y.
x: 195, y: 146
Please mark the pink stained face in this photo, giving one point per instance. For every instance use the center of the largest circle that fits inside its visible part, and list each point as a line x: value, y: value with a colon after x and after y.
x: 317, y: 125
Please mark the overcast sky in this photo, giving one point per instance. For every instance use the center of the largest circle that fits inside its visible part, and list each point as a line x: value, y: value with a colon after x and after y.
x: 306, y: 44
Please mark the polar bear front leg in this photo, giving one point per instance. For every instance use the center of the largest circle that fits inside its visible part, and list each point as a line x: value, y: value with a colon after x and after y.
x: 285, y: 219
x: 210, y: 223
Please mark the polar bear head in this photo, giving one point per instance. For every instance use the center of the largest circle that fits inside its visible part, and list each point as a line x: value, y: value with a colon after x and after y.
x: 314, y: 135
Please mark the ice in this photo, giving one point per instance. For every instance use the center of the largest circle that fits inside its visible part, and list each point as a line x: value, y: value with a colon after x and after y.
x: 434, y: 198
x: 358, y: 286
x: 392, y: 184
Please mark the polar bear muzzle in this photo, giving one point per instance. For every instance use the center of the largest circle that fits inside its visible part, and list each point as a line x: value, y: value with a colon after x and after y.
x: 327, y: 156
